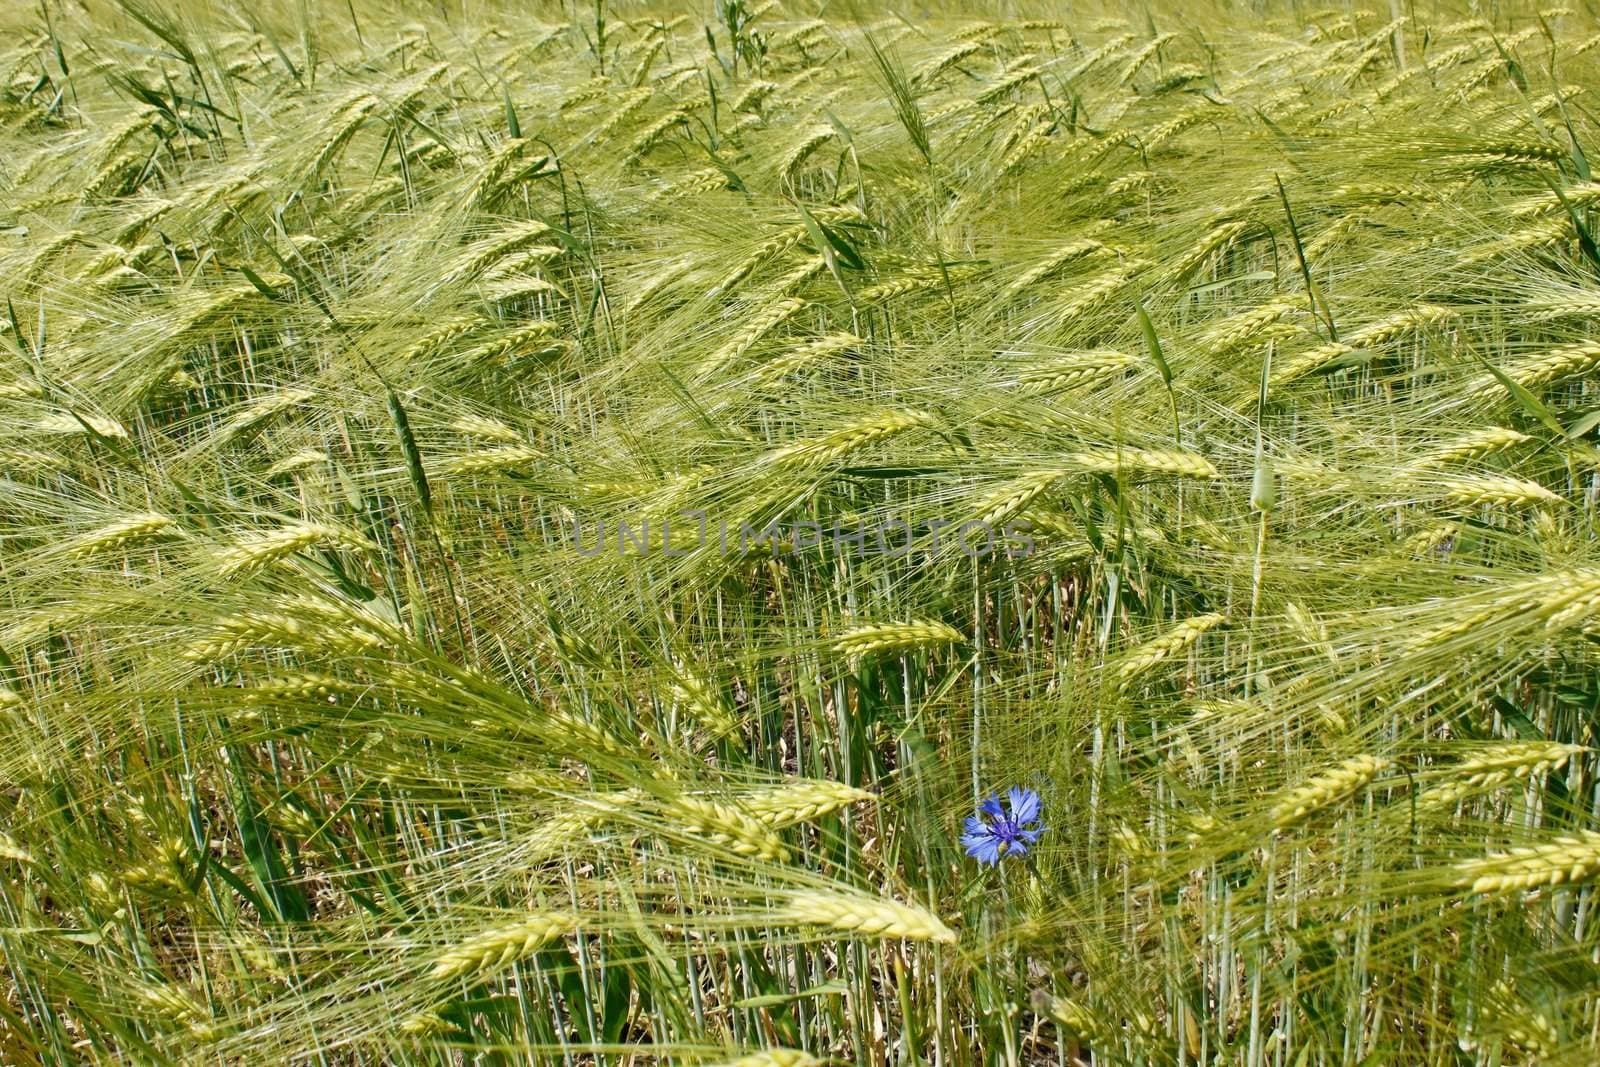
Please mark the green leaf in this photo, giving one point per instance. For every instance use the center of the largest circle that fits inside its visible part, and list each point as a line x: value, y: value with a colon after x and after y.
x: 1313, y: 294
x: 835, y: 988
x: 258, y: 284
x: 512, y: 125
x: 844, y: 248
x: 259, y: 845
x: 830, y: 255
x: 1580, y: 160
x: 1585, y: 238
x: 1515, y: 718
x: 1584, y: 424
x: 410, y: 451
x: 1530, y: 403
x: 1153, y: 344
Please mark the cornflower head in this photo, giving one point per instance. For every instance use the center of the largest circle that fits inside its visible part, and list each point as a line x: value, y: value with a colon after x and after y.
x: 997, y: 830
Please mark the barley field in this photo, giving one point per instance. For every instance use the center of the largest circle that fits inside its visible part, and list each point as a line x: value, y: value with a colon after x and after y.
x: 780, y: 534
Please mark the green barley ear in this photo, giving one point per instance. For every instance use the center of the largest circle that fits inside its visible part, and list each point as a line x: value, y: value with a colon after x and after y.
x: 727, y: 827
x: 1324, y: 790
x: 1143, y: 461
x: 1486, y: 489
x: 123, y: 532
x: 865, y: 917
x: 1071, y: 1016
x: 1080, y: 369
x: 1561, y: 860
x: 251, y: 554
x: 773, y: 1057
x: 790, y: 163
x: 812, y: 352
x: 800, y: 800
x: 1494, y: 766
x: 1174, y: 642
x: 702, y: 702
x: 902, y: 98
x: 897, y: 637
x: 1475, y: 445
x: 427, y: 1024
x: 842, y: 442
x: 758, y: 326
x: 492, y: 950
x: 1010, y: 499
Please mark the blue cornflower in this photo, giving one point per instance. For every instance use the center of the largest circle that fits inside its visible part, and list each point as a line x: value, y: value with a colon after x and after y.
x: 993, y: 832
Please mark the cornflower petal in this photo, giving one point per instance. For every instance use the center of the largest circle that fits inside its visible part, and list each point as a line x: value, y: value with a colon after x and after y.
x: 1024, y: 806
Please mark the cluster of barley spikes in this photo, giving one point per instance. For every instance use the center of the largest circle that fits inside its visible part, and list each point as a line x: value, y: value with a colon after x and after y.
x: 327, y: 325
